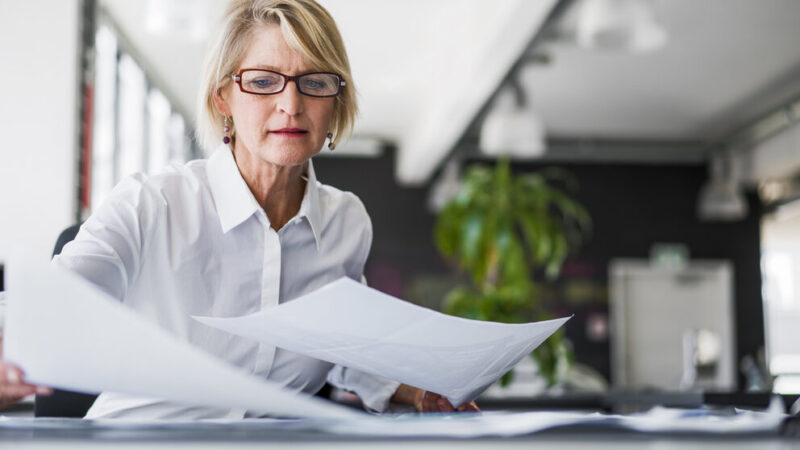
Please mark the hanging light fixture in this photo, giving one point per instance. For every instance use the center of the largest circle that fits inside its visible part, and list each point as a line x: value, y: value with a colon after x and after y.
x: 721, y: 198
x: 626, y: 25
x: 512, y: 127
x: 446, y: 187
x: 185, y: 20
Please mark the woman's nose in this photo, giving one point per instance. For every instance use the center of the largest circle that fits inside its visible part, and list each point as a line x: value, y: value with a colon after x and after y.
x: 290, y: 101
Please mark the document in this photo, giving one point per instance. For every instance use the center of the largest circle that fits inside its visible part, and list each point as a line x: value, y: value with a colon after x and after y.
x: 64, y: 332
x: 461, y: 425
x: 355, y: 326
x: 661, y: 419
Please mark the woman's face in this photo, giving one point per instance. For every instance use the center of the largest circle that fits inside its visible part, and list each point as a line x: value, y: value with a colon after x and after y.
x: 284, y: 129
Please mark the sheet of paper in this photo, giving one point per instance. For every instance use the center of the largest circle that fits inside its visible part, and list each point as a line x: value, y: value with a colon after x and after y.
x: 355, y: 326
x: 465, y: 425
x: 661, y: 420
x: 65, y: 333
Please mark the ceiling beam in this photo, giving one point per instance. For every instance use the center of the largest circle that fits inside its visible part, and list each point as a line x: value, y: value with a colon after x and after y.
x: 439, y: 131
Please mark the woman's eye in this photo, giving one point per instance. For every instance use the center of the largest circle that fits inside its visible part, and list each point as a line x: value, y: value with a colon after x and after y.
x: 314, y: 84
x: 262, y: 82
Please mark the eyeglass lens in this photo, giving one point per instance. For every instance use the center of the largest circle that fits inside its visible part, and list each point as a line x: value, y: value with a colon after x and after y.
x: 267, y: 82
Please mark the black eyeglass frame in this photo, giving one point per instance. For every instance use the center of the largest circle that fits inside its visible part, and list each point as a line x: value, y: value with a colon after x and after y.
x: 237, y: 78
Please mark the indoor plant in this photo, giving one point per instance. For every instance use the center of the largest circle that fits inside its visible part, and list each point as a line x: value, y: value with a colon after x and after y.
x: 501, y: 228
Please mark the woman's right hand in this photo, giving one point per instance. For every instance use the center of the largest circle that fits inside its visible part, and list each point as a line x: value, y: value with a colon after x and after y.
x: 13, y: 388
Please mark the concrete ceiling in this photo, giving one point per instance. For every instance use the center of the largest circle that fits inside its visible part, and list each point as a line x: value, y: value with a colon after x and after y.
x: 425, y: 68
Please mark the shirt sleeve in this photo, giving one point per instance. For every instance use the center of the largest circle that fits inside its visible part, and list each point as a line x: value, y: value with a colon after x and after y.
x: 374, y: 391
x: 108, y: 248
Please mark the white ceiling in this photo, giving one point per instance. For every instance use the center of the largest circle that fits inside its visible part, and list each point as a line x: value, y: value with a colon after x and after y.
x: 726, y: 61
x: 424, y: 68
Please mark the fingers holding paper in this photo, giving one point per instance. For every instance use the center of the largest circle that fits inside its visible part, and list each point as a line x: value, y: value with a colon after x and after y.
x: 433, y: 402
x: 13, y: 387
x: 426, y: 401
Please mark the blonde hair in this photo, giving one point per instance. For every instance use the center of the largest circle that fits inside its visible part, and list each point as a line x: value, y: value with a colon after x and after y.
x: 308, y: 29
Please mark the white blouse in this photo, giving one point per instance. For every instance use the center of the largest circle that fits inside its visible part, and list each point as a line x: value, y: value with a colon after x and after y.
x: 194, y: 241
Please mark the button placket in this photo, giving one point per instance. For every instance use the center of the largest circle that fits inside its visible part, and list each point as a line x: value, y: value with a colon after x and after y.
x: 270, y: 292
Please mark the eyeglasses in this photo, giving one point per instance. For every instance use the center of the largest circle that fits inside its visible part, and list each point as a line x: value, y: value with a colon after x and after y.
x: 267, y: 82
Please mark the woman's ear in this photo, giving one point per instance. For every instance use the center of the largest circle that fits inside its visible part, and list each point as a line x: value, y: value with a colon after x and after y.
x: 221, y: 103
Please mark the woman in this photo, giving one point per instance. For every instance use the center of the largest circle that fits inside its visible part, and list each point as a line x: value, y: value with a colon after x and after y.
x: 250, y: 227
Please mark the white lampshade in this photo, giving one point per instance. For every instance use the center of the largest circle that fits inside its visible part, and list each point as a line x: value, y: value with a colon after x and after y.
x: 446, y: 187
x: 721, y: 201
x: 512, y: 130
x: 185, y: 20
x: 628, y: 25
x: 721, y: 198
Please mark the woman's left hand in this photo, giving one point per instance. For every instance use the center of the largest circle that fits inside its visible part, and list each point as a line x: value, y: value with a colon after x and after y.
x: 427, y: 401
x: 424, y: 401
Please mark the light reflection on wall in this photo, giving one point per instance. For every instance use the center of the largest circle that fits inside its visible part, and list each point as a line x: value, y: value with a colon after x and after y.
x: 781, y: 271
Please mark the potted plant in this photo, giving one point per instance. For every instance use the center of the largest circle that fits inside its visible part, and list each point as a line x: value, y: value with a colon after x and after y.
x: 501, y: 229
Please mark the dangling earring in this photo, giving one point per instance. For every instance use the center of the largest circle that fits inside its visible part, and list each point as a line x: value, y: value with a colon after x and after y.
x: 331, y: 145
x: 226, y: 129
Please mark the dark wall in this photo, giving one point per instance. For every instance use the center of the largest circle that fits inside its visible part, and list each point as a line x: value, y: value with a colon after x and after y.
x: 402, y: 248
x: 632, y: 207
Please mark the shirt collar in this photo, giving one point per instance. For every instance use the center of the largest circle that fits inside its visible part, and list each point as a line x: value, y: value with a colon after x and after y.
x: 232, y: 197
x: 310, y: 207
x: 235, y: 203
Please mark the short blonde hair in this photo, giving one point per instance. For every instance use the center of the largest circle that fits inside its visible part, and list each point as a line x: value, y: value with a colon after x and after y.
x: 308, y: 29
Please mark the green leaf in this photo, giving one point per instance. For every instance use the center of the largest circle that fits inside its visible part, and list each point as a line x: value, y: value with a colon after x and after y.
x: 560, y: 250
x: 471, y: 235
x: 507, y: 378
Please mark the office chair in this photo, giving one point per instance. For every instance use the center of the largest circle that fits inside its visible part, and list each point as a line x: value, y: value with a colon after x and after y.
x: 63, y: 403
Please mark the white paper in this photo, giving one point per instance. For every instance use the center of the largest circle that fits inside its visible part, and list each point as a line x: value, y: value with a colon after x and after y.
x: 661, y: 420
x: 355, y: 326
x: 463, y: 425
x: 65, y: 333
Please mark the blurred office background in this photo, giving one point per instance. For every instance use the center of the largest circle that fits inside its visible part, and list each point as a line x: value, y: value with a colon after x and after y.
x: 677, y: 118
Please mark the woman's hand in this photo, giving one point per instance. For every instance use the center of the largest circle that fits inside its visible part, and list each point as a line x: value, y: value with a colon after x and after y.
x: 12, y: 386
x: 425, y: 401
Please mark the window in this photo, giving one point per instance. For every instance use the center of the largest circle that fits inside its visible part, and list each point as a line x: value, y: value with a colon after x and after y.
x: 135, y: 126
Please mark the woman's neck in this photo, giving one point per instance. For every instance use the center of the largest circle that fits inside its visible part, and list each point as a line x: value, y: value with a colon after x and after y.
x: 278, y: 189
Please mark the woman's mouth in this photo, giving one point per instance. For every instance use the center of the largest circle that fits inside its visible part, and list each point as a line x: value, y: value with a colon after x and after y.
x: 289, y: 132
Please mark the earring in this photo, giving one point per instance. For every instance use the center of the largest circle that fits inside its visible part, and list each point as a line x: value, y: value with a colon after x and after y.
x: 331, y: 145
x: 226, y: 129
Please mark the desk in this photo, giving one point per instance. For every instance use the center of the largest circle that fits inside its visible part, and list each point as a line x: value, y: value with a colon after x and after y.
x: 238, y: 439
x: 294, y: 435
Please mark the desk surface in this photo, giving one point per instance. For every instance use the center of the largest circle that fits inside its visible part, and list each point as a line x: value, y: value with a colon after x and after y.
x: 236, y: 439
x: 293, y: 435
x: 287, y: 435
